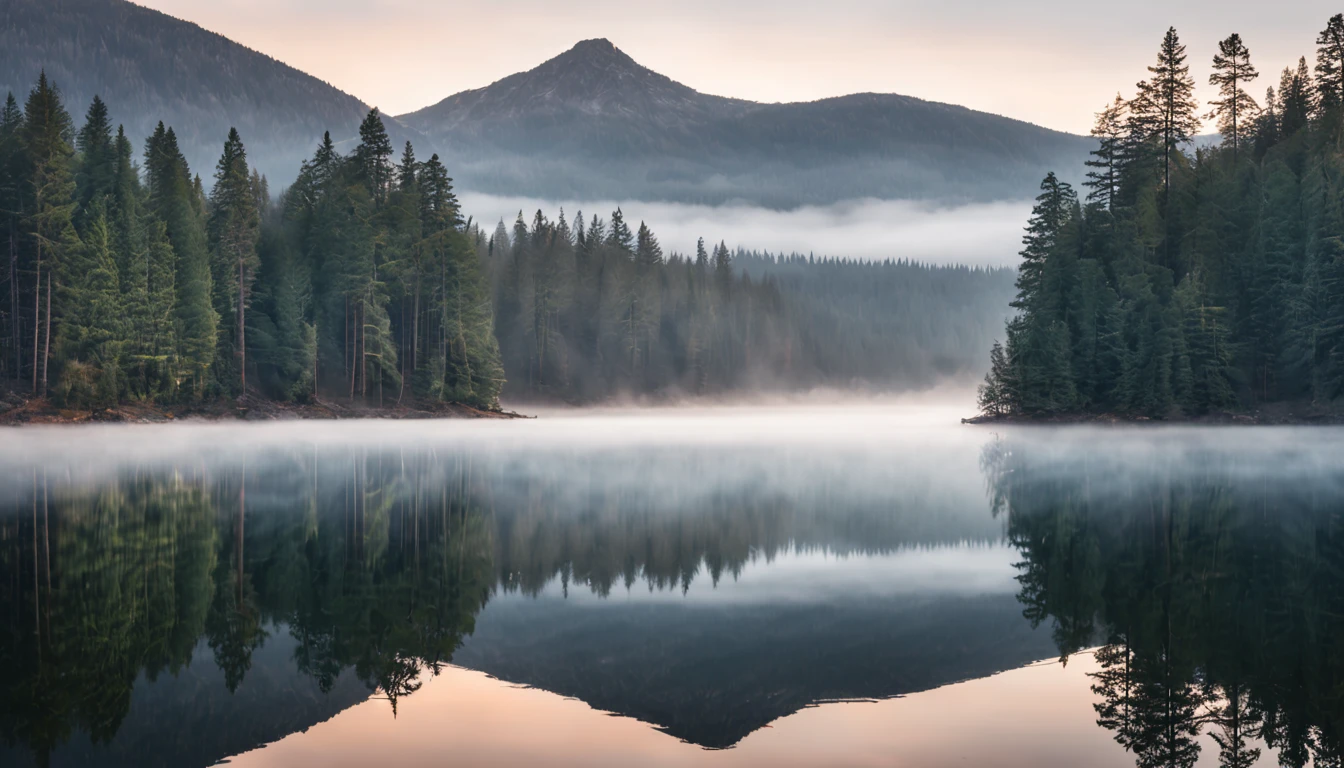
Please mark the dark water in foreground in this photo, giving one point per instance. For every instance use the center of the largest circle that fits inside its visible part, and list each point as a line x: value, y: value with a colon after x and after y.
x: 783, y: 587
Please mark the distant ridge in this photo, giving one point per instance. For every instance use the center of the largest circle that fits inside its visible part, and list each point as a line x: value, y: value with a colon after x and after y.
x: 149, y: 66
x: 593, y: 122
x: 588, y: 124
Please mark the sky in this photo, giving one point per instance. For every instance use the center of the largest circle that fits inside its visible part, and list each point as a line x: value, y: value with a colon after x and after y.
x: 1050, y: 62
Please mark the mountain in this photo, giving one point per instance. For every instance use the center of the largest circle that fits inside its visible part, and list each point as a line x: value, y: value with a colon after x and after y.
x: 149, y: 66
x: 592, y: 122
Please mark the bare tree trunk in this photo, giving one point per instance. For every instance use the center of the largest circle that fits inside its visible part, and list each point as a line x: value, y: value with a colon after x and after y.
x: 415, y: 327
x: 37, y: 314
x: 351, y: 347
x: 242, y: 340
x: 14, y: 301
x: 46, y: 345
x: 404, y: 355
x: 363, y: 352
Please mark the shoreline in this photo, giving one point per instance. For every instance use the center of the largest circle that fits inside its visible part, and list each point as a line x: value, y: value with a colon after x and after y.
x: 1273, y: 417
x: 21, y: 411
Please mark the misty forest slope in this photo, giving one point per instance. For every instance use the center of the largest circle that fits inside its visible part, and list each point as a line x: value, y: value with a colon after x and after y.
x: 149, y: 66
x: 592, y: 121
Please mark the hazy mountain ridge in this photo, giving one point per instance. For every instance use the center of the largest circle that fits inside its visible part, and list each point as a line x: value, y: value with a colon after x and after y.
x: 593, y: 122
x: 590, y: 123
x: 149, y: 66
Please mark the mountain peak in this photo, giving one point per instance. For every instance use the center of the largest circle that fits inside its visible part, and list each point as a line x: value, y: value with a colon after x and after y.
x: 593, y: 78
x: 595, y: 46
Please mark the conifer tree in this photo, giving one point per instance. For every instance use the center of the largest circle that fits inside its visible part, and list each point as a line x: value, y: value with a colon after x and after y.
x: 1330, y: 63
x: 1297, y: 99
x: 12, y: 156
x: 88, y: 347
x: 373, y: 156
x: 1108, y: 158
x: 619, y: 235
x: 1232, y: 70
x: 233, y: 229
x: 174, y: 199
x: 97, y: 157
x: 1165, y: 106
x: 50, y: 211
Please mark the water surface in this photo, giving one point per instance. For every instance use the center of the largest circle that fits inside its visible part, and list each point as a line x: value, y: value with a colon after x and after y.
x: 866, y: 585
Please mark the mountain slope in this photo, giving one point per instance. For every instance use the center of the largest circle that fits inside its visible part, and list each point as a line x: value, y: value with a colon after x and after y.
x: 149, y: 66
x: 594, y: 123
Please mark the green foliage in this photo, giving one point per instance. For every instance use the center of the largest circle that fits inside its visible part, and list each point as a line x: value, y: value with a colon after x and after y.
x: 233, y: 229
x: 1192, y: 283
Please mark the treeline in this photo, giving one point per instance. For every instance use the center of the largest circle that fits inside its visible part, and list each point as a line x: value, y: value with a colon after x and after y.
x: 132, y: 282
x: 1189, y: 281
x: 595, y: 309
x: 892, y: 323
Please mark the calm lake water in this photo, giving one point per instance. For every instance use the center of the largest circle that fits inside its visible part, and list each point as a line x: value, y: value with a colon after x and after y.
x: 855, y: 586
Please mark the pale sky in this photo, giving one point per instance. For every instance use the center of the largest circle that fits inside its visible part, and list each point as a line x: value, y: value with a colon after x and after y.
x: 1051, y: 62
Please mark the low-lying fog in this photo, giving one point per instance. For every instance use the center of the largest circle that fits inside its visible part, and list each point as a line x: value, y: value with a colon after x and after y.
x: 875, y: 445
x: 982, y: 234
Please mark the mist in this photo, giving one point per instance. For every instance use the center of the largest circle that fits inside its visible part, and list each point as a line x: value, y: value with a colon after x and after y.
x: 976, y: 234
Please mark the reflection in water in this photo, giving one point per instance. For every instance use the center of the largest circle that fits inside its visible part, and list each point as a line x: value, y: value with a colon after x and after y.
x: 195, y: 600
x: 303, y: 568
x: 1212, y: 569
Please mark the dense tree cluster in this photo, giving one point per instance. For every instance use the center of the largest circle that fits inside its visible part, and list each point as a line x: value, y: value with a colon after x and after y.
x: 595, y: 309
x: 133, y: 282
x: 1189, y: 280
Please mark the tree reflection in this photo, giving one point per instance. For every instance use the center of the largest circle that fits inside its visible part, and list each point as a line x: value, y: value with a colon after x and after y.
x: 375, y: 562
x: 1216, y: 596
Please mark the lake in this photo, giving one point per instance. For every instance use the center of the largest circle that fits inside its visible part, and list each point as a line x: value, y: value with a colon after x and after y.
x: 864, y: 585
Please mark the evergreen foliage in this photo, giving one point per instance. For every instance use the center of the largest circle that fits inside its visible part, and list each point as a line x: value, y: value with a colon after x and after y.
x: 352, y: 286
x: 1192, y: 281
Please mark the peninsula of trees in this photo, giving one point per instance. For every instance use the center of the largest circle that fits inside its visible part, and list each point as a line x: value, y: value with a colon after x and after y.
x: 1190, y: 279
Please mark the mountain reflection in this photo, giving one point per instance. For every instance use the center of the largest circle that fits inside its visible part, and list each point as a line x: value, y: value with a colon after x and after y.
x: 183, y: 607
x: 1212, y: 572
x: 275, y: 586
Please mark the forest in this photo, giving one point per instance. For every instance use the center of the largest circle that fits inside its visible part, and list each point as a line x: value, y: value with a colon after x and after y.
x: 596, y: 310
x: 1189, y: 280
x: 132, y: 282
x: 131, y: 279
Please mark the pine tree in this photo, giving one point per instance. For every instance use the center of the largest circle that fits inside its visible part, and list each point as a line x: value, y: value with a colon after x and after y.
x: 373, y: 156
x: 173, y: 199
x: 1297, y: 99
x: 995, y: 396
x: 88, y: 346
x: 12, y: 159
x: 619, y: 235
x: 233, y: 229
x: 1165, y: 106
x: 97, y: 157
x: 1109, y: 156
x: 50, y: 213
x: 1330, y: 63
x: 1232, y: 70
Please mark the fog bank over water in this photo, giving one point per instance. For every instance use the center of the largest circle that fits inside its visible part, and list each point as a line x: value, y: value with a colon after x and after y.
x: 981, y: 234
